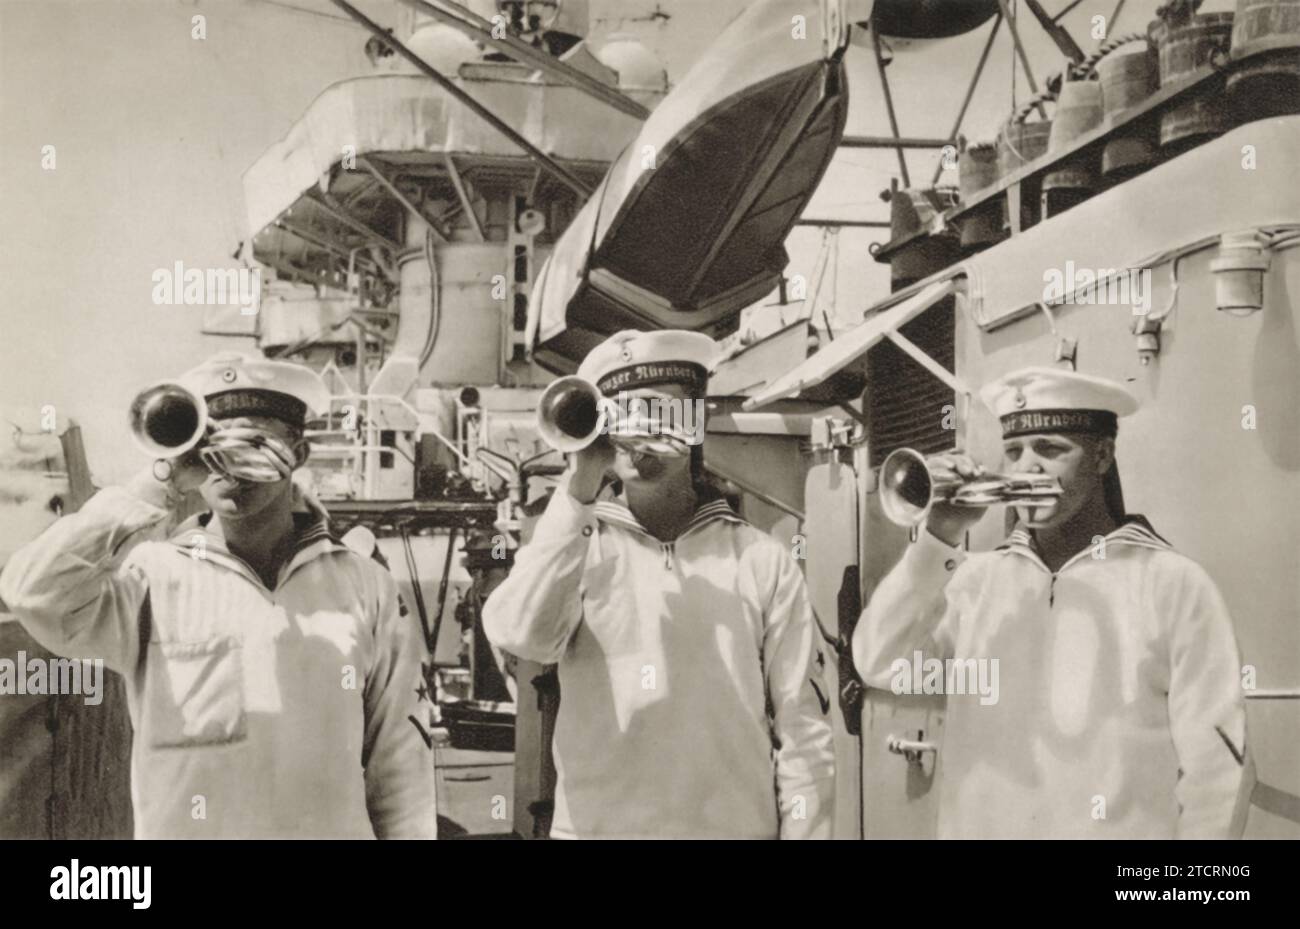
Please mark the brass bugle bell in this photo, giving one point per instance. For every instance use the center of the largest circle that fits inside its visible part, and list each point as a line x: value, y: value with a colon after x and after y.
x: 908, y: 490
x: 570, y: 414
x: 168, y: 420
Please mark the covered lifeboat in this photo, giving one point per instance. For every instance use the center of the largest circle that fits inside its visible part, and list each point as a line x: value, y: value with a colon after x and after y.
x: 687, y: 227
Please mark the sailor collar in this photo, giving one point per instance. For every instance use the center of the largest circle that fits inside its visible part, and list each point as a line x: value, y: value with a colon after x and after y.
x: 617, y: 514
x: 313, y: 537
x: 1135, y: 530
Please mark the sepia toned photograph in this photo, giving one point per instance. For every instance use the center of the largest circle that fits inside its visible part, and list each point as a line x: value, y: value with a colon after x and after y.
x: 651, y: 419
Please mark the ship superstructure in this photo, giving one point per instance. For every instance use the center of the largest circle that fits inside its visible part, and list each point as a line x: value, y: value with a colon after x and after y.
x: 450, y: 232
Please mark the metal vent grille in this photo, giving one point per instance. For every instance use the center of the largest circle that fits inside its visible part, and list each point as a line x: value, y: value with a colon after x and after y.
x: 904, y: 402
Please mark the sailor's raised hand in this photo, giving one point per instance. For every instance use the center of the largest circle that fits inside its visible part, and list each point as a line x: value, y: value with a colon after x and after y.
x: 947, y: 522
x: 588, y: 468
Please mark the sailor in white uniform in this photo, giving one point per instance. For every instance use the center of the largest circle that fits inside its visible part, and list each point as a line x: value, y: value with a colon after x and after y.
x: 270, y: 669
x: 693, y: 696
x: 1119, y: 711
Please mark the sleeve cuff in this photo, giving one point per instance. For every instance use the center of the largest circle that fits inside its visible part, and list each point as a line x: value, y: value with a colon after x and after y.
x: 930, y: 556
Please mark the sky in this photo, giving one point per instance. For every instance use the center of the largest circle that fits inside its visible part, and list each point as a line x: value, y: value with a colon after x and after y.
x: 151, y: 130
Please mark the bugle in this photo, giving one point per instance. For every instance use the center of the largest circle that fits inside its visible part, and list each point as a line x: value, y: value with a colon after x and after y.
x: 908, y: 490
x: 572, y: 414
x: 167, y: 420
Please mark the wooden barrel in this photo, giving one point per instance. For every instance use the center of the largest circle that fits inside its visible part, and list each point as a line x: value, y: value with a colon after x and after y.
x: 1018, y: 144
x: 1127, y: 78
x: 1078, y: 111
x: 1265, y: 80
x: 1183, y: 49
x: 911, y: 210
x: 976, y: 171
x: 1021, y: 143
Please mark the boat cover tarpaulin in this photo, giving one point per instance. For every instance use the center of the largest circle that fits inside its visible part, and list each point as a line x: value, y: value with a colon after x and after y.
x: 386, y: 113
x: 688, y: 226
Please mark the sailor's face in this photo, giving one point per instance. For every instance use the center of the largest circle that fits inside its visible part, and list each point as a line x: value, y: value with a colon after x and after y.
x: 642, y: 470
x: 232, y: 499
x: 1074, y: 460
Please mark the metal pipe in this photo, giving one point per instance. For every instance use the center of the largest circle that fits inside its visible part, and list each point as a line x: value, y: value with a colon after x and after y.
x: 843, y: 223
x: 1110, y: 23
x: 404, y: 200
x: 442, y: 594
x: 1065, y: 12
x: 753, y: 491
x: 337, y: 210
x: 463, y: 194
x: 1059, y: 34
x: 889, y: 106
x: 561, y: 173
x: 970, y: 90
x: 338, y: 249
x: 474, y: 26
x: 361, y: 361
x: 417, y: 594
x: 884, y: 141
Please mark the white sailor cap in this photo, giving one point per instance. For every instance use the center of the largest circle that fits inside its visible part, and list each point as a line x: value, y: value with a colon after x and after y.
x: 235, y: 384
x: 631, y: 359
x: 1055, y: 400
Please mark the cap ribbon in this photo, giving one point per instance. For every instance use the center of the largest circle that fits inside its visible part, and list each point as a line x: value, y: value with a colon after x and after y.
x: 252, y: 402
x: 647, y: 374
x: 1096, y: 422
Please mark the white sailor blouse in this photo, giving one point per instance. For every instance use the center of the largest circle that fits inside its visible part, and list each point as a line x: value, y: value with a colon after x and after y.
x: 1119, y: 710
x: 258, y: 713
x: 693, y: 695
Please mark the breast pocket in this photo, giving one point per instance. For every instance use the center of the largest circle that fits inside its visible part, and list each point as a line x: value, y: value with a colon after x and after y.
x: 193, y: 694
x: 609, y: 611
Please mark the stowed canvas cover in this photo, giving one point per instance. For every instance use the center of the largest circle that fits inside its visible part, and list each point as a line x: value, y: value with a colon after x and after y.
x: 687, y: 227
x: 408, y: 113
